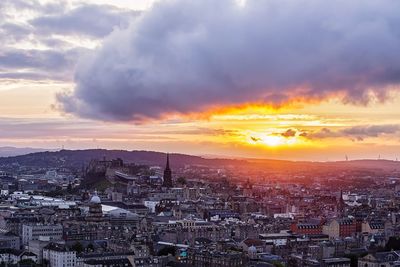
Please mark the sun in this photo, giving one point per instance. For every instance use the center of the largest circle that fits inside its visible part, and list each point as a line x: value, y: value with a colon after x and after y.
x: 273, y: 140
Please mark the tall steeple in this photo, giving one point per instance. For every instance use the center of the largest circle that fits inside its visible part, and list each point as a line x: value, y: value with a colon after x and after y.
x: 167, y: 166
x: 167, y: 179
x: 340, y: 204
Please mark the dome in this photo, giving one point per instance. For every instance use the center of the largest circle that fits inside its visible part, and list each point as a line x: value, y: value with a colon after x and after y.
x: 252, y: 250
x: 95, y: 199
x: 373, y: 239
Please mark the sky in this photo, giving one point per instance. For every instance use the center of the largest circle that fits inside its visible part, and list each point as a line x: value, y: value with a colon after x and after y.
x: 284, y: 79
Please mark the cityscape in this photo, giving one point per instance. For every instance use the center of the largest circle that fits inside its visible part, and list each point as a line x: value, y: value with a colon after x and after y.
x: 179, y: 210
x: 205, y: 133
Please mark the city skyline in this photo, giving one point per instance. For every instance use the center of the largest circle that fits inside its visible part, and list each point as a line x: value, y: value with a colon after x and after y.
x: 267, y: 79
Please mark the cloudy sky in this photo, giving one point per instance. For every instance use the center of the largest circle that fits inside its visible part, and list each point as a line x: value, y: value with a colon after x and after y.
x: 289, y: 79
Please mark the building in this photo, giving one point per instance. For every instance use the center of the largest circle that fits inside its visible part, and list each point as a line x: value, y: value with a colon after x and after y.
x: 380, y: 259
x: 95, y: 209
x: 34, y: 231
x: 336, y: 262
x: 10, y: 256
x: 277, y: 239
x: 14, y: 256
x: 109, y: 263
x: 36, y: 247
x: 167, y: 178
x: 80, y: 231
x: 101, y: 259
x: 340, y: 206
x: 9, y: 241
x: 310, y: 228
x: 198, y: 231
x: 343, y: 227
x: 205, y: 257
x: 58, y: 255
x: 248, y: 189
x: 253, y: 245
x: 301, y: 260
x: 373, y: 227
x: 220, y: 214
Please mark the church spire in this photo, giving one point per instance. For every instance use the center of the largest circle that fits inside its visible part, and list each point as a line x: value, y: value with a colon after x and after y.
x: 340, y: 204
x: 167, y: 166
x: 167, y: 179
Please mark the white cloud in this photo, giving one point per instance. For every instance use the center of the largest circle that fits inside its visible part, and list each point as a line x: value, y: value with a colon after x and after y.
x: 43, y: 40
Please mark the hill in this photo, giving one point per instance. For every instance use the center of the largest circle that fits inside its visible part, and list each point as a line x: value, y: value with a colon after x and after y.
x: 9, y: 151
x: 79, y: 158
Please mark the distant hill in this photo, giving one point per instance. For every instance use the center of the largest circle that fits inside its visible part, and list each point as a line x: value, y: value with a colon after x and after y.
x: 8, y: 151
x: 362, y: 164
x: 383, y: 164
x: 80, y: 158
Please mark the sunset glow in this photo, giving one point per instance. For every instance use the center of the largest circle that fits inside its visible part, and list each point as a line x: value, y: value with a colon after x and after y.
x: 273, y: 140
x: 214, y: 133
x: 116, y: 84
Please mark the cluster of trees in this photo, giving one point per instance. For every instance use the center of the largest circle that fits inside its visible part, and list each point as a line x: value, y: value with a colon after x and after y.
x: 181, y: 180
x: 393, y: 243
x: 21, y: 263
x: 79, y: 248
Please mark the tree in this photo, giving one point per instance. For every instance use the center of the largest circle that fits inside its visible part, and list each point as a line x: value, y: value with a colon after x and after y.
x: 353, y: 259
x: 27, y: 262
x: 167, y: 251
x: 181, y: 180
x: 77, y: 247
x: 393, y: 243
x: 90, y: 247
x: 69, y: 188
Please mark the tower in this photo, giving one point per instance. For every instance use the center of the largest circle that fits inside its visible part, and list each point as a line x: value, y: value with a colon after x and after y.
x: 247, y: 188
x: 95, y: 209
x: 340, y: 204
x: 167, y: 178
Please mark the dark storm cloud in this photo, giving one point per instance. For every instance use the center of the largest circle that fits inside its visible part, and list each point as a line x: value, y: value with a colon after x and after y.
x: 91, y: 20
x: 185, y: 56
